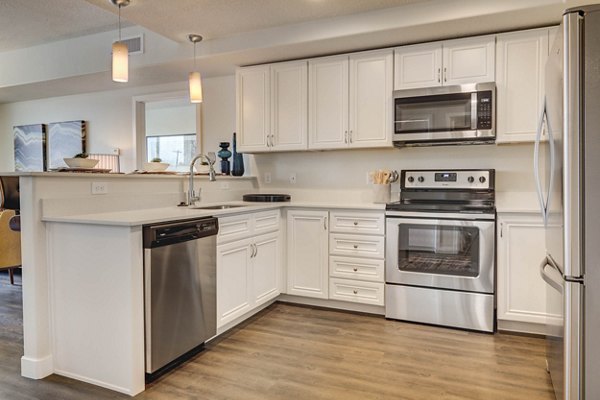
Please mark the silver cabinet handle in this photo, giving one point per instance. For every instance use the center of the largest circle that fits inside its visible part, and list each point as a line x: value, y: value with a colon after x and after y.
x: 355, y: 269
x: 255, y: 250
x: 272, y: 140
x: 439, y: 75
x: 445, y: 75
x: 325, y: 223
x: 350, y: 137
x: 355, y: 291
x: 355, y: 223
x: 355, y: 246
x: 501, y: 228
x: 345, y: 136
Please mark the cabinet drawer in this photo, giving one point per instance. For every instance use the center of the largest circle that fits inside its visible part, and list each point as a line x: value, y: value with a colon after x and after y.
x: 370, y: 223
x: 234, y: 227
x: 356, y: 268
x: 356, y: 291
x: 266, y: 221
x: 356, y: 245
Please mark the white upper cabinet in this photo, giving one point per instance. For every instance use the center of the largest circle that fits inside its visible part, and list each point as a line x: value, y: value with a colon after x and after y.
x: 272, y: 107
x: 371, y: 89
x: 289, y: 102
x: 469, y: 60
x: 328, y: 102
x: 520, y: 64
x: 350, y: 100
x: 253, y: 103
x: 418, y: 66
x: 452, y: 62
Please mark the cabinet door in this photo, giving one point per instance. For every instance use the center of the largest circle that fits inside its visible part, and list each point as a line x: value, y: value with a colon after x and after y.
x: 265, y: 268
x: 418, y: 66
x: 307, y: 254
x: 521, y: 289
x: 328, y: 102
x: 371, y: 89
x: 469, y: 60
x: 520, y: 64
x: 233, y: 280
x: 289, y: 106
x: 253, y: 108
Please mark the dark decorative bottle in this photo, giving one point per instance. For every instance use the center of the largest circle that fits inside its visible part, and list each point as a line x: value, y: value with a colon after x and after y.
x: 224, y: 153
x: 238, y: 160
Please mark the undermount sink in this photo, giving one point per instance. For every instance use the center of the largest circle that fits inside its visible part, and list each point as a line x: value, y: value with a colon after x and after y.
x: 219, y: 207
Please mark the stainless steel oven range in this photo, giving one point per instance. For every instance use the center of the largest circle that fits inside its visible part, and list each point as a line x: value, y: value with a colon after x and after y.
x: 440, y: 249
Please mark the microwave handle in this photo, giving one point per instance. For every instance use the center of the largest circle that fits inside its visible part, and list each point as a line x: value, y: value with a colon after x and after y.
x: 474, y: 111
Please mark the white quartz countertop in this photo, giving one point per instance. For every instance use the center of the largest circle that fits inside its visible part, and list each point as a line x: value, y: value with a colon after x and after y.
x: 157, y: 215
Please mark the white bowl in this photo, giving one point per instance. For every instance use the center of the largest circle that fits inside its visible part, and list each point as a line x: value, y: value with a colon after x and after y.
x: 155, y: 166
x: 80, y: 162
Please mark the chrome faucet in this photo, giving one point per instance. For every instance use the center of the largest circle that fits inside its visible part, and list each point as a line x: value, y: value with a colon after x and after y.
x: 192, y: 198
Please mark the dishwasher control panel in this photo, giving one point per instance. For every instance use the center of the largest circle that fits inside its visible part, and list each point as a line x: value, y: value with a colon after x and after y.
x: 156, y: 235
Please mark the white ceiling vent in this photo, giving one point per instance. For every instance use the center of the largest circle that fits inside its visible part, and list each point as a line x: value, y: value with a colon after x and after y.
x: 135, y: 45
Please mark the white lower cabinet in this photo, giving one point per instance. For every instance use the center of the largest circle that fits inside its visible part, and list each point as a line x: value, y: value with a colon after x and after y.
x: 307, y: 253
x: 248, y: 269
x: 265, y: 268
x: 521, y: 293
x: 233, y: 280
x: 357, y: 251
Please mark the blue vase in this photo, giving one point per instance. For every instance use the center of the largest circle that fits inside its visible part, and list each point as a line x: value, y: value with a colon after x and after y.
x: 238, y: 160
x: 224, y: 153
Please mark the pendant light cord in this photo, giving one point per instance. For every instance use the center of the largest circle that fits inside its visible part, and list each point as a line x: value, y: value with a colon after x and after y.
x: 119, y: 22
x: 194, y: 56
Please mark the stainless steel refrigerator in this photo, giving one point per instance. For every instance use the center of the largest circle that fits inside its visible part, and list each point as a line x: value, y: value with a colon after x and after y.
x: 569, y: 194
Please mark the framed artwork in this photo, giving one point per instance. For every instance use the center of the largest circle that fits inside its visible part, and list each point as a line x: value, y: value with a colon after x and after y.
x: 30, y: 147
x: 65, y: 139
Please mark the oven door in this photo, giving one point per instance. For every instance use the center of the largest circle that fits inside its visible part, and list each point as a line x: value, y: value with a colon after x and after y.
x: 441, y: 253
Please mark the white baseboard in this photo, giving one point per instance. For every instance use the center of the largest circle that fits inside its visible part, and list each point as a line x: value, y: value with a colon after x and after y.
x: 37, y: 368
x: 335, y: 304
x: 521, y: 327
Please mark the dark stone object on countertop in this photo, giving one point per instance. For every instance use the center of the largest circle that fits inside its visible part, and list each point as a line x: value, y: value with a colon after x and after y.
x: 266, y: 197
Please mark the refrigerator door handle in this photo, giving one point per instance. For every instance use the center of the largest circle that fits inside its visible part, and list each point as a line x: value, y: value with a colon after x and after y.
x: 536, y: 159
x: 546, y: 262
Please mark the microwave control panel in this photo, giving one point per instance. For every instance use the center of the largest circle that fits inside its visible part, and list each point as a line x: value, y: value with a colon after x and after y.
x: 484, y: 109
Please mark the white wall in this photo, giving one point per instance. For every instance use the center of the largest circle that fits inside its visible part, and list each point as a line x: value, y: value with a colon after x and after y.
x: 347, y: 169
x: 110, y: 117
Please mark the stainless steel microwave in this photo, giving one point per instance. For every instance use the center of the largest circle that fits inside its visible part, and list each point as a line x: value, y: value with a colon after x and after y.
x: 462, y: 114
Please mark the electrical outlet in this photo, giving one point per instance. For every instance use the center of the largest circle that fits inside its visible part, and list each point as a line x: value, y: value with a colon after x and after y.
x: 224, y: 185
x: 116, y: 151
x: 293, y: 178
x: 99, y: 187
x: 267, y: 177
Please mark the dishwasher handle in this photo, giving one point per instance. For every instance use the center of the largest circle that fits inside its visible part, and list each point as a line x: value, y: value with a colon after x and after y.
x: 158, y: 235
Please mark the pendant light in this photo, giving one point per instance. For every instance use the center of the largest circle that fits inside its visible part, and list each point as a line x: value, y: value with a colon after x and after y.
x: 120, y: 53
x: 195, y: 79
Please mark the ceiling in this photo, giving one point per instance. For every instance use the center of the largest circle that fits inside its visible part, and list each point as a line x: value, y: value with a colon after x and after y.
x: 36, y: 22
x: 27, y: 23
x: 245, y: 32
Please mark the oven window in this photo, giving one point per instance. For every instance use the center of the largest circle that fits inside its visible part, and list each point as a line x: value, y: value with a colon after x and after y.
x: 439, y: 113
x: 447, y: 250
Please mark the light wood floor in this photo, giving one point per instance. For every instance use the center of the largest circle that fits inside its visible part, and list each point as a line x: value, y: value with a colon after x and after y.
x: 291, y: 352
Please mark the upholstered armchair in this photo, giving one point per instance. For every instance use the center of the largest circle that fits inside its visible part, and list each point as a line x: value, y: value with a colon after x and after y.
x: 10, y: 227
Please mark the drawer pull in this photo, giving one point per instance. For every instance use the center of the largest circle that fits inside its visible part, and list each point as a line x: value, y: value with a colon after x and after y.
x: 355, y: 291
x: 355, y: 246
x: 355, y: 223
x: 354, y: 269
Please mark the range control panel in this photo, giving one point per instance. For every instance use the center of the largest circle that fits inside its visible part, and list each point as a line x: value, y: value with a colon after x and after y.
x: 449, y: 179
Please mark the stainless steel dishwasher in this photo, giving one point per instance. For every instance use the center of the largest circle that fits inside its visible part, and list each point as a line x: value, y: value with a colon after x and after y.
x: 179, y: 291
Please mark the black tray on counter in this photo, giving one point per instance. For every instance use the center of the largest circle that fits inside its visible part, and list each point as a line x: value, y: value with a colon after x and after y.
x: 267, y: 198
